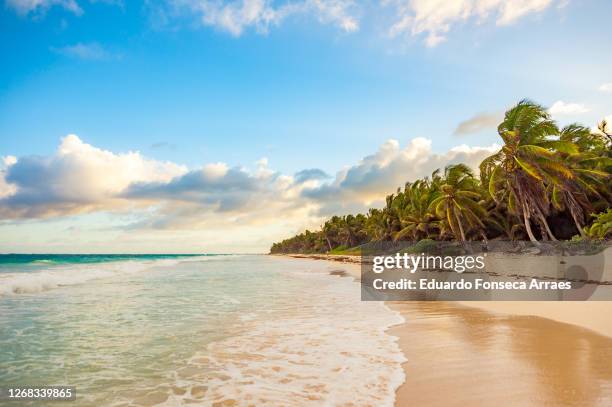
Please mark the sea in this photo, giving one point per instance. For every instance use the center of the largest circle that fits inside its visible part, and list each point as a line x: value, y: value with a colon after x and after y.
x: 209, y: 330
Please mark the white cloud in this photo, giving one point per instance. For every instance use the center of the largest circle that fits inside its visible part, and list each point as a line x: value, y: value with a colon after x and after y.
x: 561, y: 108
x: 215, y: 170
x: 8, y: 161
x: 606, y: 87
x: 235, y: 16
x: 512, y: 10
x: 119, y: 197
x: 6, y: 189
x: 435, y: 18
x: 89, y: 51
x: 375, y: 176
x: 80, y: 178
x: 77, y: 178
x: 336, y: 12
x: 432, y: 18
x: 25, y: 7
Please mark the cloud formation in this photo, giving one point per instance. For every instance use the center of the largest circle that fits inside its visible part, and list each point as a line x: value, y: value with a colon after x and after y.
x: 235, y: 16
x: 606, y: 87
x: 80, y: 178
x: 561, y: 108
x: 90, y: 51
x: 77, y: 178
x: 432, y: 19
x: 310, y: 174
x: 479, y: 122
x: 5, y: 188
x: 25, y: 7
x: 435, y: 18
x: 377, y: 175
x: 215, y: 186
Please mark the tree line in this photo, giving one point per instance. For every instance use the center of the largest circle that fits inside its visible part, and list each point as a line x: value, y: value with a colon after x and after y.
x: 545, y: 183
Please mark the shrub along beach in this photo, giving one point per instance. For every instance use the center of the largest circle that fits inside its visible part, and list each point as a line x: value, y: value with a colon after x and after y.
x: 545, y: 184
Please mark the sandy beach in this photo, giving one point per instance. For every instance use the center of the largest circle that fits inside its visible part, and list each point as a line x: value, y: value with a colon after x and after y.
x: 502, y: 353
x: 460, y: 355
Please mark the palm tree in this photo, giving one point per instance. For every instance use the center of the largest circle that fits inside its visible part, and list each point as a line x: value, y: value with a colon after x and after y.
x: 332, y: 230
x: 415, y: 217
x: 376, y: 227
x: 602, y: 226
x: 572, y: 194
x: 390, y: 213
x: 458, y: 200
x: 352, y: 229
x: 519, y: 172
x: 539, y: 172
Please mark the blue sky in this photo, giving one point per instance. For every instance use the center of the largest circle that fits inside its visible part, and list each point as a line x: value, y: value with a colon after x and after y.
x: 307, y: 84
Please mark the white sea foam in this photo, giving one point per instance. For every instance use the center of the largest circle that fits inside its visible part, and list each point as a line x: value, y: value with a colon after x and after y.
x: 325, y: 347
x: 234, y: 331
x: 68, y: 275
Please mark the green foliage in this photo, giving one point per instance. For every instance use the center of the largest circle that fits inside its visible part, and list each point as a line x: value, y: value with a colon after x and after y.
x: 423, y: 246
x: 540, y: 173
x: 601, y: 227
x: 346, y: 251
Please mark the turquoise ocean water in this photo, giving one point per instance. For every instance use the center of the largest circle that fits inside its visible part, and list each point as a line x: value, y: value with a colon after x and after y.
x: 194, y: 330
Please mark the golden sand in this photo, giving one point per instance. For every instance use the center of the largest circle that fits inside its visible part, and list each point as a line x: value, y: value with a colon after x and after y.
x: 502, y: 353
x: 461, y: 356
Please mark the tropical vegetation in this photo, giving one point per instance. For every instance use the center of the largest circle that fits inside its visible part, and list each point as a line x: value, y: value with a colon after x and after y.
x: 545, y: 184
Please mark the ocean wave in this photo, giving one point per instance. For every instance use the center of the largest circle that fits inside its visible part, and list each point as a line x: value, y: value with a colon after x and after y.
x: 44, y: 262
x: 47, y: 279
x: 325, y: 348
x: 258, y: 331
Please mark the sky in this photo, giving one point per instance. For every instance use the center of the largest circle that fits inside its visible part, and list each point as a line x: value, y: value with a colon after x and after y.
x: 189, y: 126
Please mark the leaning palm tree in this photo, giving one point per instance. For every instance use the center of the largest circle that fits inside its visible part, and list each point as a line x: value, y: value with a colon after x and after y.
x: 351, y: 229
x: 415, y: 217
x: 376, y: 227
x: 587, y: 178
x: 520, y: 172
x: 458, y: 201
x: 331, y: 231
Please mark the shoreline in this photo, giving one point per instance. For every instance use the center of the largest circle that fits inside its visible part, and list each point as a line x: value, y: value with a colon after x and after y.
x: 590, y: 315
x: 554, y: 352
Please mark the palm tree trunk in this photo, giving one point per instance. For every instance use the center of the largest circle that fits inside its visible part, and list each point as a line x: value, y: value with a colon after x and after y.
x: 527, y: 222
x: 550, y: 233
x: 460, y: 227
x: 328, y: 243
x: 580, y: 230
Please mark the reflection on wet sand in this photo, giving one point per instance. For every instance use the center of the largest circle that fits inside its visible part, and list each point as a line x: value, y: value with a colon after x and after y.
x: 466, y: 356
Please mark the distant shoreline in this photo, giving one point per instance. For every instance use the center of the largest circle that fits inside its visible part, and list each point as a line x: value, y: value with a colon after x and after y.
x: 328, y: 257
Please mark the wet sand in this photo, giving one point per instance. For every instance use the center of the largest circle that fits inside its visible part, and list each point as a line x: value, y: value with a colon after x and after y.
x: 466, y: 356
x: 501, y: 353
x: 593, y: 315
